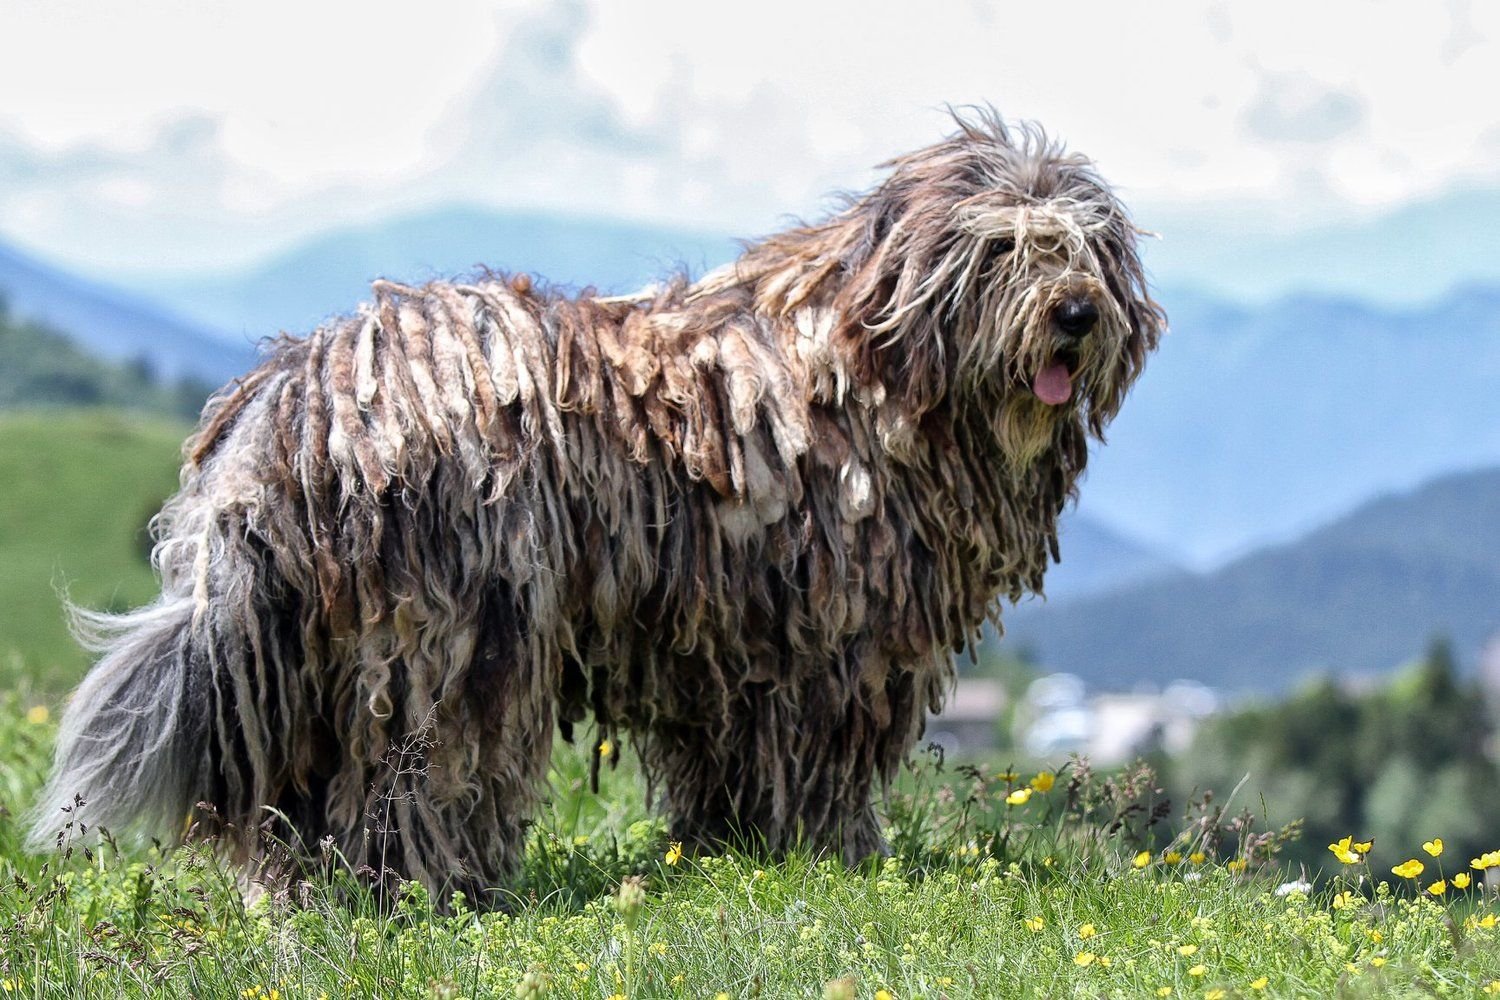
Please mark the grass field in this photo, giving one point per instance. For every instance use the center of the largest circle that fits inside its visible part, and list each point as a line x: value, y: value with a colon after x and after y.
x: 76, y: 491
x: 984, y: 899
x: 1041, y: 883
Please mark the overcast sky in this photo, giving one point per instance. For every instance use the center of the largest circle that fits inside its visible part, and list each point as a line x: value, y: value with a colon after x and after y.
x: 178, y: 134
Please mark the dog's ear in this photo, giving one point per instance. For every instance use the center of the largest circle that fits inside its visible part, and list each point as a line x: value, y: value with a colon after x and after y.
x: 890, y: 303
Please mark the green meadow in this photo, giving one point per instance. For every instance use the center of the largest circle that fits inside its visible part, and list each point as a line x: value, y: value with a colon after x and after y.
x: 1043, y: 880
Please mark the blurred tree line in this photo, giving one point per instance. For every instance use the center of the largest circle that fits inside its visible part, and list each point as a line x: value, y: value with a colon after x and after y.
x: 40, y: 366
x: 1400, y: 763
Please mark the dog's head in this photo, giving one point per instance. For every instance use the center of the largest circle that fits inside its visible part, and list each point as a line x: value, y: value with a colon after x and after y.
x: 1000, y: 274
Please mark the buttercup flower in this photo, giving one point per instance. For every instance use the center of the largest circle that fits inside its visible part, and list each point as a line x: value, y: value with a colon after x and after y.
x: 1018, y: 797
x: 1087, y: 931
x: 1409, y: 869
x: 1438, y: 888
x: 1345, y: 852
x: 1461, y: 880
x: 1044, y: 781
x: 674, y: 852
x: 1142, y: 859
x: 1084, y: 958
x: 1434, y: 846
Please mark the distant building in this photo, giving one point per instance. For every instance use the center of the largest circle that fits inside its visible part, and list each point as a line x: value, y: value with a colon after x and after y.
x: 1059, y: 717
x: 970, y: 719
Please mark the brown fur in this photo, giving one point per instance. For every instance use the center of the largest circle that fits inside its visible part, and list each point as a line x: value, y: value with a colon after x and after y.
x: 745, y: 521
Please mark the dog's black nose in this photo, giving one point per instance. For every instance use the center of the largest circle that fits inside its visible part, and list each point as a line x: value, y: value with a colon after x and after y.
x: 1076, y: 317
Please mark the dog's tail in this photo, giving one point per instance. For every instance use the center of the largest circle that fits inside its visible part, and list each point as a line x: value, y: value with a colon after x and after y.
x: 131, y: 747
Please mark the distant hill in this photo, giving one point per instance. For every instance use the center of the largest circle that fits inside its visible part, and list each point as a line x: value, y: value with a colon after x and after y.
x: 1096, y: 559
x: 331, y: 274
x: 117, y: 325
x: 41, y: 367
x: 76, y: 492
x: 1359, y: 595
x: 1252, y: 426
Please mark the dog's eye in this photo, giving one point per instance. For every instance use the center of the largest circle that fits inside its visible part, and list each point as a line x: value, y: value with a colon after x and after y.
x: 1004, y: 246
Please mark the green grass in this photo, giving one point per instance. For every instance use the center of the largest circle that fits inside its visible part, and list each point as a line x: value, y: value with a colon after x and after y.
x: 982, y: 898
x: 992, y: 900
x: 76, y: 491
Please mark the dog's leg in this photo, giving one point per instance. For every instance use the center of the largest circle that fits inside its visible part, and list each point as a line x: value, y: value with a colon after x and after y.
x: 785, y: 769
x: 449, y: 753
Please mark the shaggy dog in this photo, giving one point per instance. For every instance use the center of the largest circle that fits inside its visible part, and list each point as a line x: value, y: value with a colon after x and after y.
x: 745, y: 521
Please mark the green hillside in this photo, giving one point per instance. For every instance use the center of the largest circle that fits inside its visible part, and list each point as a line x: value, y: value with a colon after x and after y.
x: 40, y: 366
x: 76, y: 491
x: 1360, y: 595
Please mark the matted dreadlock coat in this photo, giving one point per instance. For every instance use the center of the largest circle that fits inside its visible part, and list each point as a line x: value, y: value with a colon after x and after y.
x: 745, y: 520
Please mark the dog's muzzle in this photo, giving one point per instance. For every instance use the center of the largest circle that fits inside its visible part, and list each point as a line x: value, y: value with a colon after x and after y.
x: 1076, y: 317
x: 1073, y: 319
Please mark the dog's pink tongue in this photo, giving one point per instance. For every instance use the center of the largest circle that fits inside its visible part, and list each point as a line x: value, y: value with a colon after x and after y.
x: 1053, y: 385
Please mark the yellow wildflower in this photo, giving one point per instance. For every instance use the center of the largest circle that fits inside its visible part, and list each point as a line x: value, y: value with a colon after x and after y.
x: 1104, y: 961
x: 1186, y: 950
x: 721, y: 996
x: 1492, y: 987
x: 1197, y: 857
x: 884, y: 995
x: 1438, y: 888
x: 1164, y: 991
x: 1084, y: 958
x: 1461, y: 880
x: 1034, y: 924
x: 674, y: 852
x: 1488, y: 920
x: 1172, y: 857
x: 1087, y: 931
x: 1142, y: 859
x: 1198, y: 971
x: 1433, y: 846
x: 1044, y: 781
x: 1238, y: 865
x: 1409, y: 869
x: 1006, y: 776
x: 1260, y: 984
x: 1344, y: 901
x: 1489, y: 859
x: 1378, y: 961
x: 1363, y: 847
x: 1215, y: 994
x: 606, y: 749
x: 1345, y: 852
x: 38, y: 715
x: 1018, y: 797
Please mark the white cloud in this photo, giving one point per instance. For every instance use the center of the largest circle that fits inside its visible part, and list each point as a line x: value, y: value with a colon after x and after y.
x: 172, y: 135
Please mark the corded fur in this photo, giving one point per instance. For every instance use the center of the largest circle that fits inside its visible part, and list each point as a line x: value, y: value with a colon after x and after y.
x: 745, y: 520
